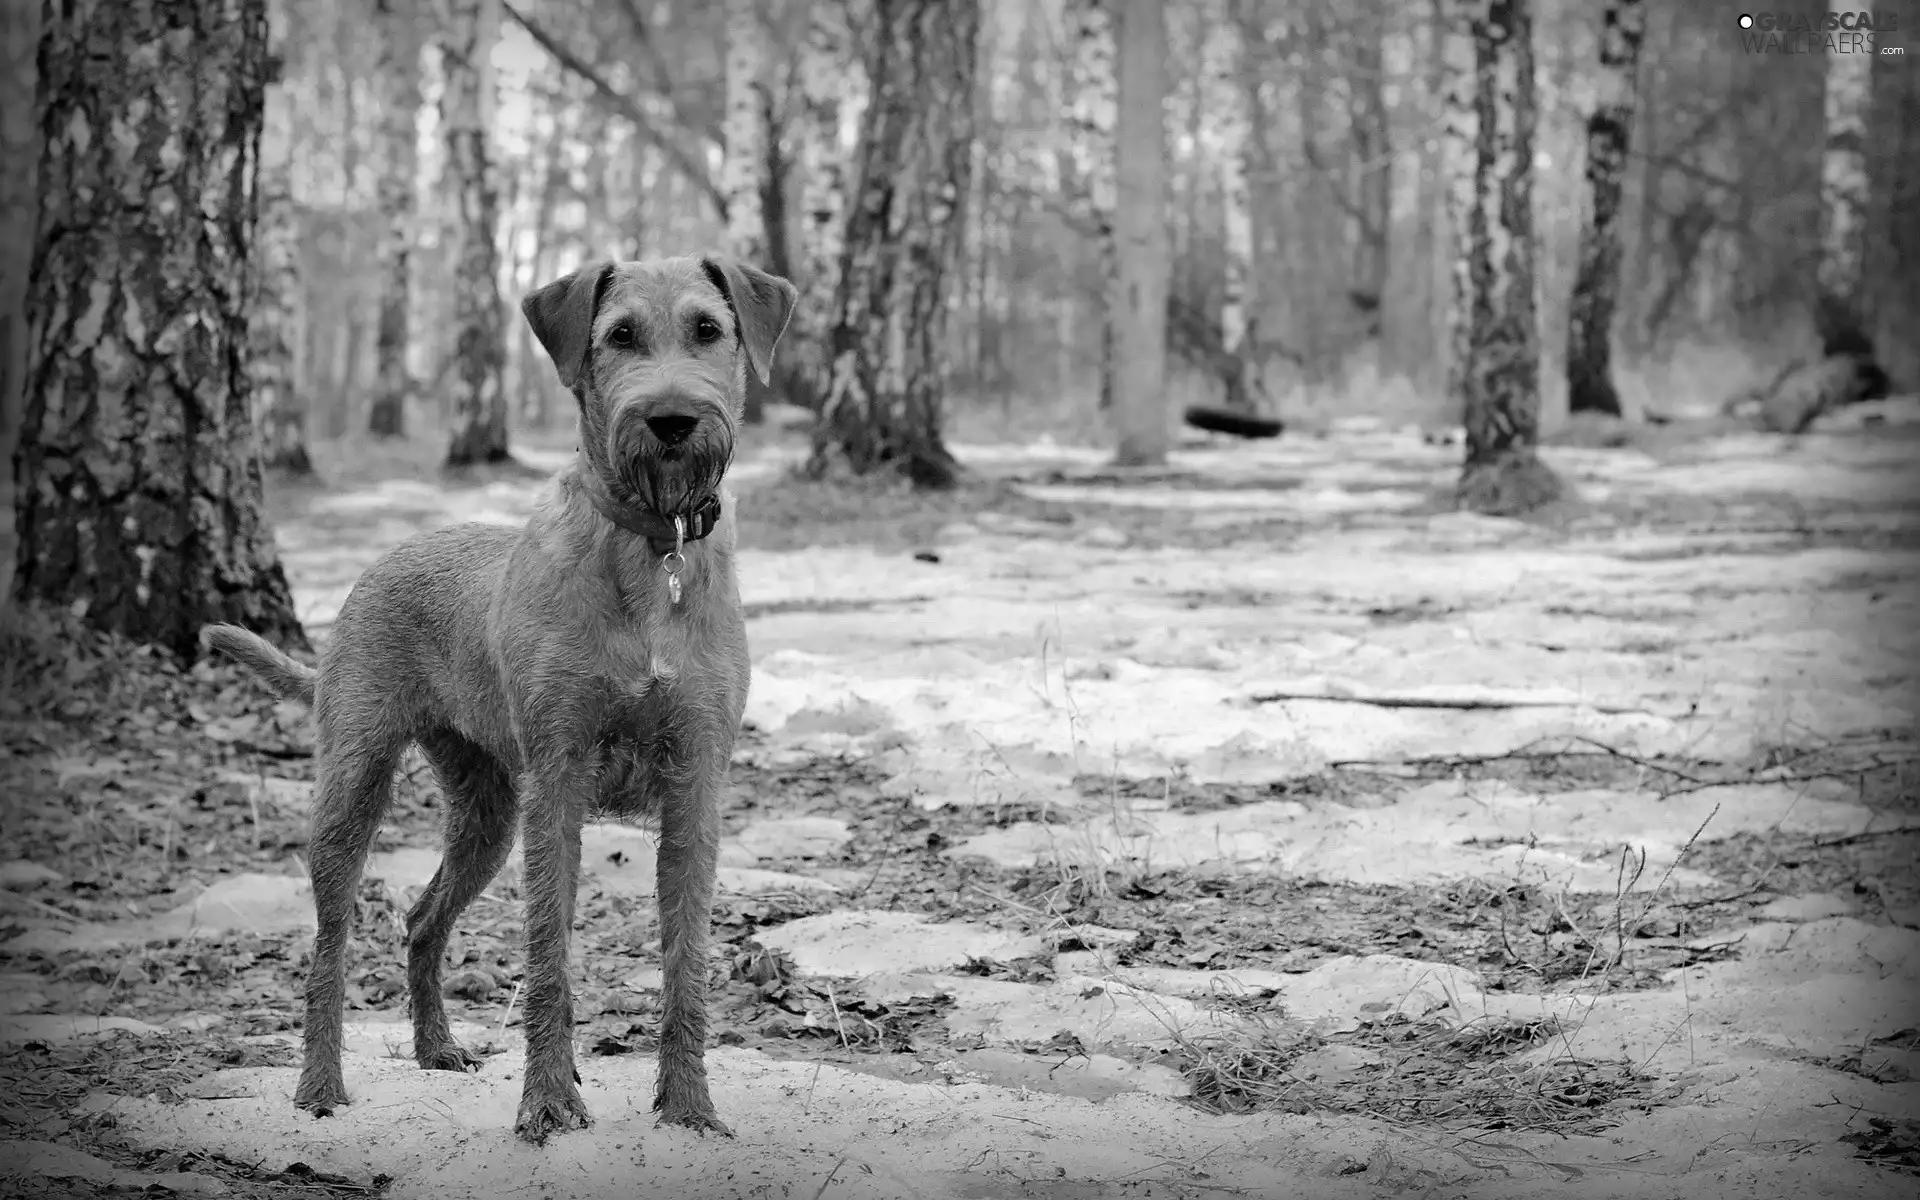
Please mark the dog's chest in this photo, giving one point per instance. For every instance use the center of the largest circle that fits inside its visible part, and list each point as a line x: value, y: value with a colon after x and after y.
x: 640, y: 734
x: 657, y: 657
x: 669, y: 663
x: 672, y: 675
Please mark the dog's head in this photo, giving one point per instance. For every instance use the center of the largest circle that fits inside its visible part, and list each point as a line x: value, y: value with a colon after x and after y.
x: 657, y: 353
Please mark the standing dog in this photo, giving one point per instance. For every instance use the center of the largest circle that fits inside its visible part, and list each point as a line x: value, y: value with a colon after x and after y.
x: 594, y: 661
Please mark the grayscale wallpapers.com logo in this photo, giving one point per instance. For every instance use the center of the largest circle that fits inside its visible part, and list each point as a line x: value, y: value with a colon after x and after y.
x: 1820, y: 33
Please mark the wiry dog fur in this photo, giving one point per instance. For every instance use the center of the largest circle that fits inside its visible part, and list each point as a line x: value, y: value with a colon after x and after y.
x: 553, y: 657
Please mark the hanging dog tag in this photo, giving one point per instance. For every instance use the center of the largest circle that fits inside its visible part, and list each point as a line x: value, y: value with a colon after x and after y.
x: 675, y: 560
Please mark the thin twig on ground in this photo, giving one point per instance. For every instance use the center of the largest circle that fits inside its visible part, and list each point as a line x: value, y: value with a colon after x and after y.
x: 1864, y: 836
x: 1463, y: 704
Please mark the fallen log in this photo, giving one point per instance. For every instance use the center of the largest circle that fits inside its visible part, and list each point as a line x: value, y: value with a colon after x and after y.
x: 1240, y: 424
x: 1797, y: 397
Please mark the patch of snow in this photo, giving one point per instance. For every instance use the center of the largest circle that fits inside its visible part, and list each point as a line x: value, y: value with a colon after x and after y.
x: 46, y: 1160
x: 1103, y: 1014
x: 18, y: 874
x: 1173, y: 981
x: 752, y: 881
x: 856, y: 943
x: 1338, y: 995
x: 17, y: 1028
x: 1442, y: 831
x: 794, y: 837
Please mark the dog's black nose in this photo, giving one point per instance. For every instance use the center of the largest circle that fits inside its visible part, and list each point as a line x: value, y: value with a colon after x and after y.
x: 672, y: 430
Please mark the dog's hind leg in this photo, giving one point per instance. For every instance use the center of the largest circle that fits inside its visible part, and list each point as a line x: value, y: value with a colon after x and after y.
x: 479, y: 834
x: 356, y: 782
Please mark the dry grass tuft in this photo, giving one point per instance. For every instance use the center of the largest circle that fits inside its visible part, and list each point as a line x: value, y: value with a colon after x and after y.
x: 1470, y: 1076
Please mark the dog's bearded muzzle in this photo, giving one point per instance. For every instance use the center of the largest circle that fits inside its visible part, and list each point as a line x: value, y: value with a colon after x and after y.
x: 670, y: 454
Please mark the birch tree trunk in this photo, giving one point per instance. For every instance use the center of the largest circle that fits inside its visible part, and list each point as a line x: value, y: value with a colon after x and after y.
x: 1409, y: 52
x: 1228, y: 116
x: 831, y: 83
x: 1092, y: 105
x: 743, y: 175
x: 277, y: 316
x: 1139, y: 316
x: 538, y: 389
x: 141, y: 509
x: 478, y: 403
x: 1494, y: 374
x: 1372, y: 165
x: 1847, y: 372
x: 1839, y: 313
x: 1261, y: 78
x: 1893, y: 232
x: 883, y: 405
x: 19, y: 205
x: 397, y: 80
x: 1596, y: 284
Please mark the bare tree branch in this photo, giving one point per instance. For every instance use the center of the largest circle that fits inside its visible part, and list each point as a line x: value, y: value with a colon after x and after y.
x: 1685, y: 167
x: 663, y: 79
x: 1336, y: 187
x: 685, y: 160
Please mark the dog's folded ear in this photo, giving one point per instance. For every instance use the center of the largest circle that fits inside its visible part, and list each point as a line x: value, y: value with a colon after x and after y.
x: 762, y: 305
x: 561, y: 314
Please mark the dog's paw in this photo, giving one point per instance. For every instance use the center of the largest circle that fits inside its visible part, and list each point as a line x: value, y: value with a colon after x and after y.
x: 320, y: 1095
x: 543, y: 1114
x: 450, y: 1057
x: 700, y: 1119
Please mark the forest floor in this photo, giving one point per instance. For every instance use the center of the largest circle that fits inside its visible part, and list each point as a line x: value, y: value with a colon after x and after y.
x: 1250, y: 827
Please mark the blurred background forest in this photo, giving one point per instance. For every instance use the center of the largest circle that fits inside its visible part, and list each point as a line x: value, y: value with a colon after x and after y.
x: 611, y: 118
x: 1316, y: 124
x: 424, y: 163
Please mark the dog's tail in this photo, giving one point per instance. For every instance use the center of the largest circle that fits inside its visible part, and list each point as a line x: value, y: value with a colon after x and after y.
x: 288, y: 679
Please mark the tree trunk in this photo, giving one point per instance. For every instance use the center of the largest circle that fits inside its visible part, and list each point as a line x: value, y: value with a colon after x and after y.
x: 826, y: 62
x: 889, y: 365
x: 1894, y: 273
x: 743, y: 174
x: 397, y: 76
x: 1261, y: 70
x: 477, y: 399
x: 1372, y: 168
x: 1307, y: 212
x: 1225, y: 102
x: 1140, y: 238
x: 633, y: 229
x: 976, y: 253
x: 1494, y: 374
x: 538, y: 389
x: 1596, y: 281
x: 1407, y: 303
x: 279, y: 401
x: 19, y: 171
x: 1839, y: 315
x: 775, y: 174
x: 142, y: 504
x: 1090, y: 137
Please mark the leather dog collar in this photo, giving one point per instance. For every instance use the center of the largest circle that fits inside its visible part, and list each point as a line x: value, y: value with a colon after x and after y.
x: 658, y: 530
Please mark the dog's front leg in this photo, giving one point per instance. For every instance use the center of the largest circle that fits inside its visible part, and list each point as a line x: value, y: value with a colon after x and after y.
x: 554, y: 807
x: 689, y: 857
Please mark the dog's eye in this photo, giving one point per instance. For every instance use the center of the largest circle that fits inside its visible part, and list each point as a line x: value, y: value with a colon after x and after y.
x: 622, y: 336
x: 706, y: 329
